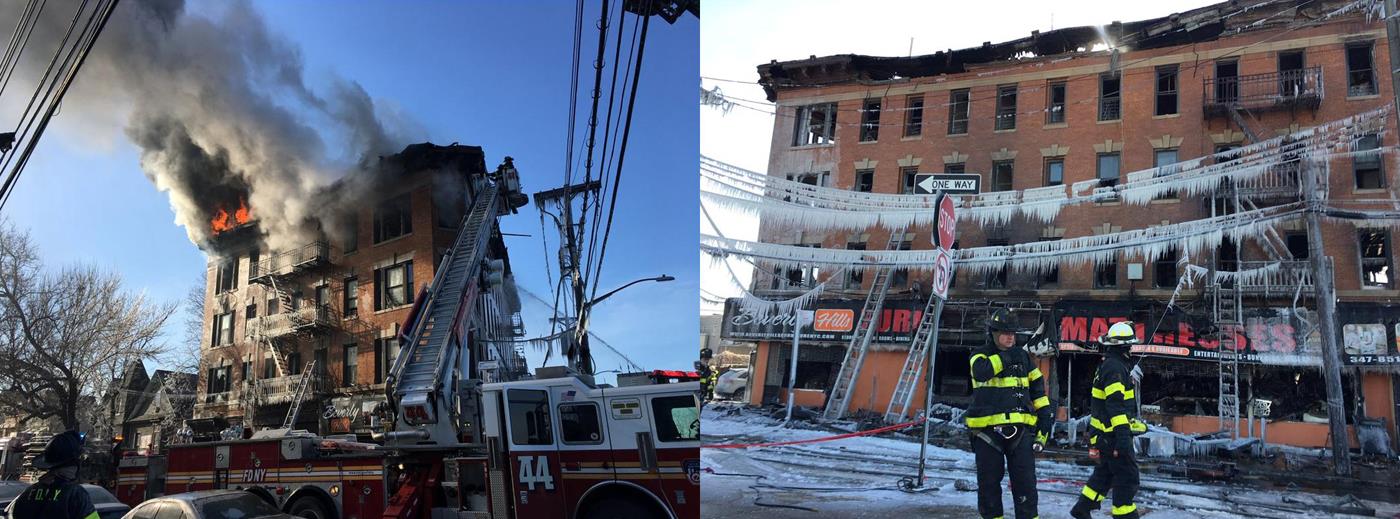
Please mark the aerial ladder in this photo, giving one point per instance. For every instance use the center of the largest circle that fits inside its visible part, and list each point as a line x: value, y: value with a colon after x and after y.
x: 913, y: 364
x: 429, y: 386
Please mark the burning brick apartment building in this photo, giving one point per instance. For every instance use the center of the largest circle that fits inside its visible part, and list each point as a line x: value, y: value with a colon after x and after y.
x: 1090, y: 104
x: 336, y: 306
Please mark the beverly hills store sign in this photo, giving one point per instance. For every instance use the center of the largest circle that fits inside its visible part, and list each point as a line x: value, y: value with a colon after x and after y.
x: 833, y: 321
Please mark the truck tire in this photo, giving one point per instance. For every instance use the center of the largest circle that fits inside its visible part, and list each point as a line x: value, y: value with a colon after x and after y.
x: 618, y: 508
x: 309, y: 508
x: 738, y: 395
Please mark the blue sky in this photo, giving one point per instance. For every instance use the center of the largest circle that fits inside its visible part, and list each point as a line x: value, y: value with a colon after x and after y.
x: 495, y: 75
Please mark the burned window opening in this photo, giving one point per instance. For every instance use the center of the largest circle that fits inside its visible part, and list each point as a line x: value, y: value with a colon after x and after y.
x: 958, y: 111
x: 1051, y: 276
x: 1367, y: 167
x: 1110, y: 97
x: 1055, y: 105
x: 1106, y: 274
x: 914, y: 116
x: 1006, y: 107
x: 1165, y: 271
x: 1227, y: 81
x: 900, y: 278
x: 957, y: 167
x: 1002, y: 172
x: 1375, y: 258
x: 870, y: 120
x: 996, y: 279
x: 865, y: 180
x: 855, y: 277
x: 816, y: 124
x: 907, y: 176
x: 1361, y: 77
x: 1166, y: 90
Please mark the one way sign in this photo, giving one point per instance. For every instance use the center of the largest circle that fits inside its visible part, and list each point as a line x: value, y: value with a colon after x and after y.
x: 951, y: 183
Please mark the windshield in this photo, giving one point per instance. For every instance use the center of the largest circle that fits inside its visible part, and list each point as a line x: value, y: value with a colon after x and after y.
x: 99, y: 494
x: 240, y: 506
x: 8, y: 491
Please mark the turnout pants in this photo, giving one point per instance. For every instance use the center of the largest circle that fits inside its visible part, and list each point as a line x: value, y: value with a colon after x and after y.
x: 1118, y: 474
x: 995, y: 456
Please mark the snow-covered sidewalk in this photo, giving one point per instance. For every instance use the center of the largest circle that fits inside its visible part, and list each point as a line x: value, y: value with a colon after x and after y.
x: 858, y: 477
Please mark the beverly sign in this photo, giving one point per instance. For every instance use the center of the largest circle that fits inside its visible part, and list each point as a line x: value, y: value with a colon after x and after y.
x: 833, y: 320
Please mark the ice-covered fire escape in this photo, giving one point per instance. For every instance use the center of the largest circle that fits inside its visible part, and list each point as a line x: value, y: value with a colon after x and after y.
x: 1240, y: 99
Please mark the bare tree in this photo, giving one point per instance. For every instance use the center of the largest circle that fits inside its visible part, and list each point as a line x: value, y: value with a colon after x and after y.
x: 65, y: 335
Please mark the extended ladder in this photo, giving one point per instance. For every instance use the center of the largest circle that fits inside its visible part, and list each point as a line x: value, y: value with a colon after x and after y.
x: 1227, y: 319
x: 861, y: 337
x: 914, y: 364
x: 424, y: 361
x: 299, y: 396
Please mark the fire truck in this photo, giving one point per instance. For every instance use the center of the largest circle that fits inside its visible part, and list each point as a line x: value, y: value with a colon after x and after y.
x: 453, y: 441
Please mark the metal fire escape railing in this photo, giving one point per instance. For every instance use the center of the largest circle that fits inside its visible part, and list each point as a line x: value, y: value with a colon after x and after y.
x: 1286, y: 89
x: 861, y: 337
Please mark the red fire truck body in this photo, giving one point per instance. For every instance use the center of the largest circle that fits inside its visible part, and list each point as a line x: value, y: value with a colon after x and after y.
x: 630, y: 448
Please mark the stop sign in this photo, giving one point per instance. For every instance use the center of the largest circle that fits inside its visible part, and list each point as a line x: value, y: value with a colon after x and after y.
x: 946, y: 222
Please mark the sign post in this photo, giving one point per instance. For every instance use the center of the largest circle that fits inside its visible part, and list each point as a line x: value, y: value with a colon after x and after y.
x: 802, y: 316
x: 945, y: 223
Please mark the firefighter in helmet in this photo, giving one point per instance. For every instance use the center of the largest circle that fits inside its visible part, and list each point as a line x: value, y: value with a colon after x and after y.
x: 58, y: 494
x: 1114, y: 421
x: 1009, y: 418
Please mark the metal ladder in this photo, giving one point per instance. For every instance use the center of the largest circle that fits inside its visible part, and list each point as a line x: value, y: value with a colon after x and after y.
x: 861, y: 337
x: 913, y: 365
x: 300, y: 395
x: 421, y: 362
x: 1228, y: 307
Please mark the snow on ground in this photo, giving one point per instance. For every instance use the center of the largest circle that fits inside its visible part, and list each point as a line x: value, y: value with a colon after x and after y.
x: 857, y: 478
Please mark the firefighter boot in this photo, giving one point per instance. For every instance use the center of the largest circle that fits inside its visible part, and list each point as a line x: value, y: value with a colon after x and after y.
x: 1083, y: 508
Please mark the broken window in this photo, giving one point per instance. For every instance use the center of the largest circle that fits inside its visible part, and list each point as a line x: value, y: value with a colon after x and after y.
x: 1227, y: 81
x: 352, y: 236
x: 1165, y: 275
x: 1290, y: 73
x: 1110, y: 108
x: 870, y: 120
x: 865, y: 180
x: 914, y: 116
x: 996, y: 278
x: 294, y: 362
x: 393, y: 218
x: 958, y: 107
x: 816, y: 124
x: 956, y: 167
x: 393, y: 285
x: 269, y: 367
x: 1367, y: 166
x: 226, y: 279
x: 1375, y: 258
x: 1162, y: 158
x: 901, y: 276
x: 1106, y: 274
x: 1297, y: 243
x: 1001, y: 175
x: 1361, y: 77
x: 855, y: 276
x: 1049, y: 277
x: 1054, y: 171
x: 1055, y: 106
x: 1166, y: 90
x: 907, y: 175
x: 1006, y: 107
x: 223, y: 329
x: 1108, y: 169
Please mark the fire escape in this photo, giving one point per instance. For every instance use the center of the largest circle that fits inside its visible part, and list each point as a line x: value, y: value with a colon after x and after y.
x: 281, y: 331
x: 1241, y: 99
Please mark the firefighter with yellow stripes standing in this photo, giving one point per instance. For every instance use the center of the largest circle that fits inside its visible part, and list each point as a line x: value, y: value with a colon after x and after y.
x: 1009, y: 419
x: 1113, y: 417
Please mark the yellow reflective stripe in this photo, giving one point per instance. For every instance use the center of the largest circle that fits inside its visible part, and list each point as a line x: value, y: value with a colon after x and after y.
x: 1125, y: 509
x: 1129, y: 394
x: 1116, y: 387
x: 1040, y: 437
x: 1092, y: 494
x: 91, y: 516
x: 1003, y: 382
x: 1097, y: 393
x: 1118, y: 420
x: 1041, y: 402
x: 977, y: 422
x: 994, y: 359
x: 1035, y: 374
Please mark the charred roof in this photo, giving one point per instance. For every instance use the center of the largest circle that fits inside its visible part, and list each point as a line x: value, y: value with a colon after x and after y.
x: 1197, y: 25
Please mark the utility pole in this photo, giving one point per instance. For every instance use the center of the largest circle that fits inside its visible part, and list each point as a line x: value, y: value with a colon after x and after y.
x: 580, y: 359
x: 1326, y: 296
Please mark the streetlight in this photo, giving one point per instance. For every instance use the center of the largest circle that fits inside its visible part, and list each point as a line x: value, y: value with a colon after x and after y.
x: 585, y: 360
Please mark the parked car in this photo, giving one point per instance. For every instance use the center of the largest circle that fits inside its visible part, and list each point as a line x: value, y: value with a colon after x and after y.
x: 9, y: 490
x: 207, y: 504
x: 106, y: 504
x: 731, y: 384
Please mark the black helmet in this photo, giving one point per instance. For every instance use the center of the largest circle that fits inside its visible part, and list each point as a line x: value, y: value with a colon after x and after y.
x: 706, y: 354
x: 1002, y: 321
x: 63, y: 449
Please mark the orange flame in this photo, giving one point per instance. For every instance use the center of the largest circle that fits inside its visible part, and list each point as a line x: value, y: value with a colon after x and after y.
x: 223, y: 221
